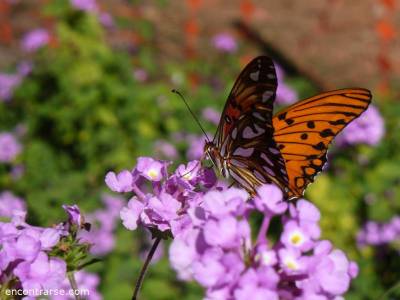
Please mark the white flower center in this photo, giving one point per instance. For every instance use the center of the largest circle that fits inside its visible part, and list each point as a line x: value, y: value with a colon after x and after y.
x: 266, y: 258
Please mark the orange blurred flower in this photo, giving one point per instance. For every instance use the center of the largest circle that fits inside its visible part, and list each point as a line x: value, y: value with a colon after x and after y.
x: 6, y: 33
x: 194, y: 4
x: 384, y: 63
x: 390, y: 4
x: 246, y: 9
x: 385, y: 30
x: 191, y: 28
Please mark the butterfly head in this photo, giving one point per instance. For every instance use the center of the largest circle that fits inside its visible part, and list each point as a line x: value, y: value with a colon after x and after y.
x: 215, y: 157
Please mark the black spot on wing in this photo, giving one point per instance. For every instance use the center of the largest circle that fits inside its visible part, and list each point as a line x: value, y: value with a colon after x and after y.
x: 326, y: 133
x: 282, y: 116
x: 311, y: 124
x: 320, y: 146
x: 289, y: 121
x: 338, y: 122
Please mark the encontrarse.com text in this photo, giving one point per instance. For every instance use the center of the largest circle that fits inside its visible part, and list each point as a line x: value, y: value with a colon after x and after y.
x: 47, y: 292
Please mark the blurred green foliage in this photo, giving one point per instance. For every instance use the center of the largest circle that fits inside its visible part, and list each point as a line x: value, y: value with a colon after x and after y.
x: 85, y: 114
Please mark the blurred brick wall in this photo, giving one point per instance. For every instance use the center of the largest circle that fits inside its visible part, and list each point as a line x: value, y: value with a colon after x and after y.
x: 338, y: 41
x: 343, y: 43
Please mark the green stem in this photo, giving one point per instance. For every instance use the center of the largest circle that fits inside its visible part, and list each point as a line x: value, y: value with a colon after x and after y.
x: 74, y: 286
x: 391, y: 289
x: 144, y: 268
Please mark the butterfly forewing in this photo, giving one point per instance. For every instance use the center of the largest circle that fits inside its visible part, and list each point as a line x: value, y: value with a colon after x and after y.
x: 253, y: 91
x: 304, y: 131
x: 244, y: 136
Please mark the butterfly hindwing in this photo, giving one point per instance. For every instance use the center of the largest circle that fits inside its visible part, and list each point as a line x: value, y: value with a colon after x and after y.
x: 254, y: 157
x: 304, y: 131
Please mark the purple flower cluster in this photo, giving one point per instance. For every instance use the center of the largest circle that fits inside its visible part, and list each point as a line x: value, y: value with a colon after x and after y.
x: 217, y: 251
x: 9, y: 82
x: 85, y: 5
x: 165, y: 149
x: 106, y: 20
x: 368, y: 129
x: 211, y: 115
x: 140, y: 75
x: 196, y: 146
x: 212, y: 235
x: 27, y: 253
x: 225, y: 43
x: 103, y: 224
x: 35, y: 40
x: 285, y: 95
x: 91, y: 6
x: 10, y: 204
x: 161, y: 200
x: 9, y: 147
x: 377, y: 234
x: 24, y: 252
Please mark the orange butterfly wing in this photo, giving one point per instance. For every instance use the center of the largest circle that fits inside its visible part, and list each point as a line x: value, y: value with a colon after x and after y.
x: 304, y: 130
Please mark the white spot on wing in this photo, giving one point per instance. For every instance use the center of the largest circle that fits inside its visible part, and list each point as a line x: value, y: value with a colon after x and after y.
x: 259, y: 116
x: 283, y: 171
x: 269, y: 171
x: 234, y: 133
x: 240, y: 180
x: 255, y: 75
x: 248, y: 133
x: 245, y: 152
x: 273, y: 150
x: 223, y: 147
x: 267, y: 95
x: 265, y: 157
x: 238, y: 163
x: 259, y: 176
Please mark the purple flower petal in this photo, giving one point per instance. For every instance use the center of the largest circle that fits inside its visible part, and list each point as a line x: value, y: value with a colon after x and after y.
x: 224, y: 42
x: 270, y: 199
x: 120, y: 183
x: 130, y: 214
x: 35, y: 39
x: 9, y: 147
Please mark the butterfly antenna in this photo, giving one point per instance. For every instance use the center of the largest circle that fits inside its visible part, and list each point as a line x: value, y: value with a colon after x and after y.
x: 192, y: 113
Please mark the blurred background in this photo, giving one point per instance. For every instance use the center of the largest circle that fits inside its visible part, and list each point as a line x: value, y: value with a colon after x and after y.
x: 85, y: 88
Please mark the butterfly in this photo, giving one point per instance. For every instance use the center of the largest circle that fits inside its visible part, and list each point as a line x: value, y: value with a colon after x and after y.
x: 254, y: 146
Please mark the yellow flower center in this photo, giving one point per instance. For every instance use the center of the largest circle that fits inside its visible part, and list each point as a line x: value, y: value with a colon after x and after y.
x: 296, y: 238
x: 291, y: 264
x: 152, y: 173
x: 187, y: 175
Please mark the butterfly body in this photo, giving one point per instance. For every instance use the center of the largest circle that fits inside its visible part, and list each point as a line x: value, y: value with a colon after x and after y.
x: 254, y: 147
x: 222, y: 164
